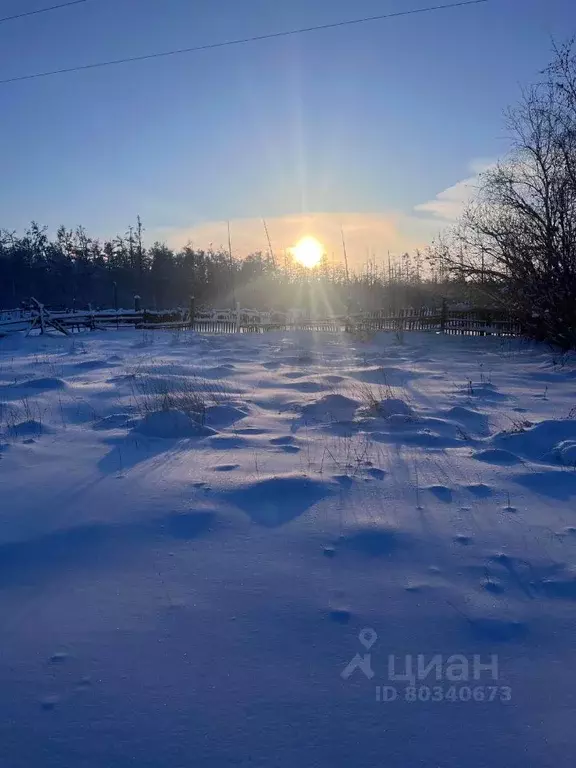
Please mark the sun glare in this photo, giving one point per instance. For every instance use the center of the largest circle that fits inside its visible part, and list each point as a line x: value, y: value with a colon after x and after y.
x: 308, y: 252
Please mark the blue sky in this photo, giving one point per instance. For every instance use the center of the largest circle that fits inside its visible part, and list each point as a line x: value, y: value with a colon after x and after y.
x: 356, y: 126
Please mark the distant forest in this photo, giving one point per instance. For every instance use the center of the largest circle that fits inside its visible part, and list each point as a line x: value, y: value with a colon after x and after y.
x: 74, y: 270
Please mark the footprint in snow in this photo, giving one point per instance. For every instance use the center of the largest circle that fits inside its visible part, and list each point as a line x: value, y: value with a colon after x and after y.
x: 58, y: 658
x: 49, y: 703
x: 441, y: 492
x: 294, y: 375
x: 480, y: 490
x: 340, y: 615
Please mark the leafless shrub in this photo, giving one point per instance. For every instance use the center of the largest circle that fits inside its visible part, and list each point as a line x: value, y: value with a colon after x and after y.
x: 517, y: 426
x: 8, y: 417
x: 373, y: 396
x: 13, y: 418
x: 350, y: 454
x: 190, y: 394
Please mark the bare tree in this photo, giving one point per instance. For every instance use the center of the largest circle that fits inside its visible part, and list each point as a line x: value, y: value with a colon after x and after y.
x: 518, y: 238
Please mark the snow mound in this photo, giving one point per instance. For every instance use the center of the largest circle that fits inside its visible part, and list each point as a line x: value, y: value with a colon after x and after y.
x: 390, y: 375
x: 283, y: 440
x: 278, y: 500
x: 91, y: 365
x: 470, y: 420
x: 331, y: 408
x: 497, y: 456
x: 549, y: 440
x: 394, y: 406
x: 308, y: 387
x: 171, y: 424
x: 30, y: 428
x: 114, y: 421
x: 565, y: 452
x: 44, y: 384
x: 223, y: 415
x: 482, y: 391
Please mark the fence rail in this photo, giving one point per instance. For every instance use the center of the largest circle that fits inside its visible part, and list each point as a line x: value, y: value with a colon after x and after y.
x: 448, y: 320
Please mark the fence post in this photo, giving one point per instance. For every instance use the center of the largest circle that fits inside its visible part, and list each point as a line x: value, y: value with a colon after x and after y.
x: 115, y: 299
x: 191, y: 312
x: 137, y: 303
x: 488, y: 323
x: 237, y: 327
x: 443, y: 316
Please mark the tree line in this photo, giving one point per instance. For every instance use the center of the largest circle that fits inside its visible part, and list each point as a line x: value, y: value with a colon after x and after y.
x: 74, y: 270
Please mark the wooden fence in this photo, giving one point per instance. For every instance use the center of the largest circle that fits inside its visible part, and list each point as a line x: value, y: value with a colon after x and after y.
x: 466, y: 322
x: 447, y: 320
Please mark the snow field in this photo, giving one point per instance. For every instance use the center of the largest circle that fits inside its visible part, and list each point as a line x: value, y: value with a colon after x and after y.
x: 195, y: 530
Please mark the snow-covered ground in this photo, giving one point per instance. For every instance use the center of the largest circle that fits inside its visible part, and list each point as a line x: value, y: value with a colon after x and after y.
x: 199, y: 534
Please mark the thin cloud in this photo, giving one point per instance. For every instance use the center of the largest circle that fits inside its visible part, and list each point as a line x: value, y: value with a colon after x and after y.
x: 449, y: 205
x: 368, y: 235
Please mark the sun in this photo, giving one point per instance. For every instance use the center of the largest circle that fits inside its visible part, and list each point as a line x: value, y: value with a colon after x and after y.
x: 308, y: 252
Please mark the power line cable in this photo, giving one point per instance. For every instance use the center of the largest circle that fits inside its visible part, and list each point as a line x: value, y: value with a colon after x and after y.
x: 241, y: 41
x: 42, y: 10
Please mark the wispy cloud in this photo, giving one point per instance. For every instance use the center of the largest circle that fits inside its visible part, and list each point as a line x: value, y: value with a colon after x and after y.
x: 449, y: 205
x: 367, y: 234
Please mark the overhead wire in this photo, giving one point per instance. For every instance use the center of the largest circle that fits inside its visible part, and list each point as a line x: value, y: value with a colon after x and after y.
x: 37, y: 12
x: 240, y: 41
